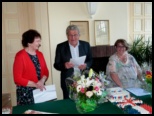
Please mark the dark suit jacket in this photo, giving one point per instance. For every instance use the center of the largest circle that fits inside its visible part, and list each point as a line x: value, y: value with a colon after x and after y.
x: 63, y: 54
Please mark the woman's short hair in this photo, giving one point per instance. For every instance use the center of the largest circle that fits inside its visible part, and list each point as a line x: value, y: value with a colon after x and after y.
x: 72, y: 27
x: 29, y: 36
x: 123, y: 42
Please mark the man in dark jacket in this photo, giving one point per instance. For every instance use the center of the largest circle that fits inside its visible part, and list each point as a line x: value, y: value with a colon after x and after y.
x: 72, y: 48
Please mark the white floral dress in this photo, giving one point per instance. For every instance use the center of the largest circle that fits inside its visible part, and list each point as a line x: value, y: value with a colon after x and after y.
x: 127, y: 72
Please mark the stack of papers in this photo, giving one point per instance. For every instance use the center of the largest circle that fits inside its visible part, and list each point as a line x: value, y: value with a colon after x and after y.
x: 138, y: 91
x: 45, y: 95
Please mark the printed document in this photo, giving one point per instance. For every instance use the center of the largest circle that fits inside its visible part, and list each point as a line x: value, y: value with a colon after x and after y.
x: 78, y: 61
x: 45, y: 95
x: 138, y: 91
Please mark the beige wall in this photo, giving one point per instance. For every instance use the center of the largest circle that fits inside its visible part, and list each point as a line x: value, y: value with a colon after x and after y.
x: 61, y: 13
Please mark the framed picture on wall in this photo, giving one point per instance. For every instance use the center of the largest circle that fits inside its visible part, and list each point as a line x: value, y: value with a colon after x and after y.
x: 84, y: 29
x: 101, y: 32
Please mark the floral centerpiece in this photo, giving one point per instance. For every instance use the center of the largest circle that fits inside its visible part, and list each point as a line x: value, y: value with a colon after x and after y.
x: 148, y: 79
x: 88, y: 89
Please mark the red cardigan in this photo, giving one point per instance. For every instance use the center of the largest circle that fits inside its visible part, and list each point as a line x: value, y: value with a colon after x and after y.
x: 24, y: 69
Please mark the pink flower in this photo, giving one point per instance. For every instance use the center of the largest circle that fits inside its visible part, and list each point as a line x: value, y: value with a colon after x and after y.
x: 148, y: 73
x: 82, y: 90
x: 96, y: 88
x: 97, y: 79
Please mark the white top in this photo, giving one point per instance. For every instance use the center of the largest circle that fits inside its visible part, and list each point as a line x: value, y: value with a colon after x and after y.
x: 75, y: 54
x: 74, y: 50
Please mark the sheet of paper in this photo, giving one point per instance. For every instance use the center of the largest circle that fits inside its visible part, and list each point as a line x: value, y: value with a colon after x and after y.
x: 36, y: 112
x: 45, y: 95
x: 78, y: 61
x: 138, y: 91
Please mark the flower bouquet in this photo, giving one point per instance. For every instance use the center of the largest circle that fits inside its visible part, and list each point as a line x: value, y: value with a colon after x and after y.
x: 148, y: 79
x: 88, y: 89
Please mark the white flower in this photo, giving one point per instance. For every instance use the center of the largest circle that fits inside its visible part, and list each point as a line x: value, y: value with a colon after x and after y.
x: 94, y: 91
x: 88, y: 82
x: 82, y: 77
x: 78, y: 88
x: 79, y: 82
x: 97, y: 83
x: 98, y: 93
x: 89, y: 94
x: 82, y: 81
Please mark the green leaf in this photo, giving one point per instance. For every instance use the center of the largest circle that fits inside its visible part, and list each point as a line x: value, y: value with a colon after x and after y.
x: 141, y: 50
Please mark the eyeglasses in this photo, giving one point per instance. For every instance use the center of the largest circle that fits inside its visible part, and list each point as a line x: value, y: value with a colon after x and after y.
x: 120, y: 46
x: 76, y: 35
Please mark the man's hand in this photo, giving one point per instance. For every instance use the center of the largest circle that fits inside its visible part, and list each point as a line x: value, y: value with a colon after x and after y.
x: 82, y: 66
x: 69, y: 65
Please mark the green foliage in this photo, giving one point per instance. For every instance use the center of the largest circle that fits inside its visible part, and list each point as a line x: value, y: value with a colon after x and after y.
x: 141, y: 50
x: 148, y: 80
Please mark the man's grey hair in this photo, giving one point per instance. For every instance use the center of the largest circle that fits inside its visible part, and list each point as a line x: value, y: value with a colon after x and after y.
x: 72, y: 27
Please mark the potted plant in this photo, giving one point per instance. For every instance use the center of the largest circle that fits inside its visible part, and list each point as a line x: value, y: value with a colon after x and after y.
x: 141, y: 50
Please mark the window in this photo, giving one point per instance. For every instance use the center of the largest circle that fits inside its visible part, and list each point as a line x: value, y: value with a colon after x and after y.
x: 141, y: 20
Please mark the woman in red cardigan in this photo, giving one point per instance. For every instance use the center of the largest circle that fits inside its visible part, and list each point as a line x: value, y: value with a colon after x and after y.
x: 29, y: 69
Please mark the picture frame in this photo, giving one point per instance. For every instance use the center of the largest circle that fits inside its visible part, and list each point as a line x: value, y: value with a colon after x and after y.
x: 84, y: 29
x: 102, y: 35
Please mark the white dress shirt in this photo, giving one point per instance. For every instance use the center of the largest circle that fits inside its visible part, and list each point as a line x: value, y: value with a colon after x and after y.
x: 75, y: 54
